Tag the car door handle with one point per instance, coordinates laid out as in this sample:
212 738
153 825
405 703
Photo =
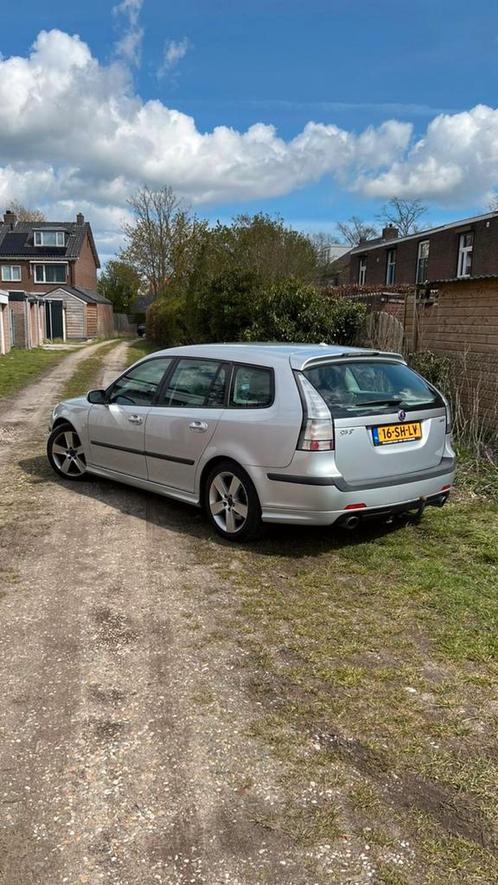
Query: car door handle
135 419
198 426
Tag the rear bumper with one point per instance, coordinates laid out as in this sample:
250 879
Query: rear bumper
322 500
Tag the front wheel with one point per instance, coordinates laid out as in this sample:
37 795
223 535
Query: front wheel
232 503
65 453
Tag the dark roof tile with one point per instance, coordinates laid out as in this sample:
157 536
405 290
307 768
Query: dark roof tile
19 242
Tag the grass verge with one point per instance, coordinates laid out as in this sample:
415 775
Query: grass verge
18 368
83 378
139 349
373 662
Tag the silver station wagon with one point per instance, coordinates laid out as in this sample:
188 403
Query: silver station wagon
256 433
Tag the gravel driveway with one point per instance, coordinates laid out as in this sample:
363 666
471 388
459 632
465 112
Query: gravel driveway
124 720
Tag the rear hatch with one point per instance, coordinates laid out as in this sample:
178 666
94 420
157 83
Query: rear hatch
388 421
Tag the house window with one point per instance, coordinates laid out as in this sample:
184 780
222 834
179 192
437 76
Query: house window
423 261
362 271
11 273
50 238
50 273
391 267
466 244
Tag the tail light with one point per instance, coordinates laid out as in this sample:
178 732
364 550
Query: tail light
449 417
317 431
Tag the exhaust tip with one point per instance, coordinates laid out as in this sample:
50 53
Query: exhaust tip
351 522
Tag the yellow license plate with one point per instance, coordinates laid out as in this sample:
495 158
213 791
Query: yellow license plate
396 433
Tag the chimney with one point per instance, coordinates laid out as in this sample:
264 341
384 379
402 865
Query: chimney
390 232
10 218
80 218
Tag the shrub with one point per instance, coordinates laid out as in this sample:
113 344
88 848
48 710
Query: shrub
290 310
226 308
167 323
235 307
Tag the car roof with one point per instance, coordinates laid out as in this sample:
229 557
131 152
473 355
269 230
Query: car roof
273 354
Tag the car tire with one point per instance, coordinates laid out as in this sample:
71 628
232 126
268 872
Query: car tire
65 453
231 503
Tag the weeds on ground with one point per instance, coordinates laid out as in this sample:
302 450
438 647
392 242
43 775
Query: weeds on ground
139 349
86 372
19 367
373 658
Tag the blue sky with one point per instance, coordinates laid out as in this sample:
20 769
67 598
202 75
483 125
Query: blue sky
284 63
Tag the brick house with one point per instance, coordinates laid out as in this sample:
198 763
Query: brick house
459 250
49 270
36 256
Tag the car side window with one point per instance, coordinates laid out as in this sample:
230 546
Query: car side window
196 384
252 388
139 386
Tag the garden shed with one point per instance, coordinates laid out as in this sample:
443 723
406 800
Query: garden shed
84 314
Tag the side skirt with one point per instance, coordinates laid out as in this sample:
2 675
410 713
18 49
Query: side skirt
146 485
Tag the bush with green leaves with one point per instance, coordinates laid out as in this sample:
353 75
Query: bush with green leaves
290 310
237 307
225 308
166 322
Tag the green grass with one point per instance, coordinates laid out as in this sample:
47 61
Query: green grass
139 349
18 368
374 659
85 375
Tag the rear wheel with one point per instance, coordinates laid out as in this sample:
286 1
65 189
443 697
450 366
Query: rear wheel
65 452
232 503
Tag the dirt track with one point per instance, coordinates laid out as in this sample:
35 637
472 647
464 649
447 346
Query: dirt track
124 748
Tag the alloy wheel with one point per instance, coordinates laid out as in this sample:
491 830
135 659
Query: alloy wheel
67 453
228 502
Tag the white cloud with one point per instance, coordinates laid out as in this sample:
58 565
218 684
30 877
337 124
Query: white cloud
129 46
455 161
173 53
73 132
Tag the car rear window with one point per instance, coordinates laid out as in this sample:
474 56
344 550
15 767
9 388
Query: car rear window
369 387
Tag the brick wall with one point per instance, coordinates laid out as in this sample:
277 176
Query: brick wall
461 323
18 312
84 271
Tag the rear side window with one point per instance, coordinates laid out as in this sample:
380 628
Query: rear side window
138 387
252 388
196 384
368 387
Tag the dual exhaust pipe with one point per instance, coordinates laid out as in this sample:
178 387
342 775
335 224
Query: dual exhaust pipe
351 521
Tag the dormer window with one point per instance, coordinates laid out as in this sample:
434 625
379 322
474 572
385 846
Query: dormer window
50 238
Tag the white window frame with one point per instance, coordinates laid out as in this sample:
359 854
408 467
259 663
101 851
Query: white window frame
420 260
463 254
362 270
11 278
49 264
60 238
391 267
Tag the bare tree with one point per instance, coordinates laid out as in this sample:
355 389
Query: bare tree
493 204
160 237
403 214
355 230
24 214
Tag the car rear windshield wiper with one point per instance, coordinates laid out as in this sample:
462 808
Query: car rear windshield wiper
388 401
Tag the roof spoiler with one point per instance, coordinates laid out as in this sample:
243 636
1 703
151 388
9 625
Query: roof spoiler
300 364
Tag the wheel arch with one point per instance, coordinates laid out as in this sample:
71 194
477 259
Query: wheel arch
59 421
206 470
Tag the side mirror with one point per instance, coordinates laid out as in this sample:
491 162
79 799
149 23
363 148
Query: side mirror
97 397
